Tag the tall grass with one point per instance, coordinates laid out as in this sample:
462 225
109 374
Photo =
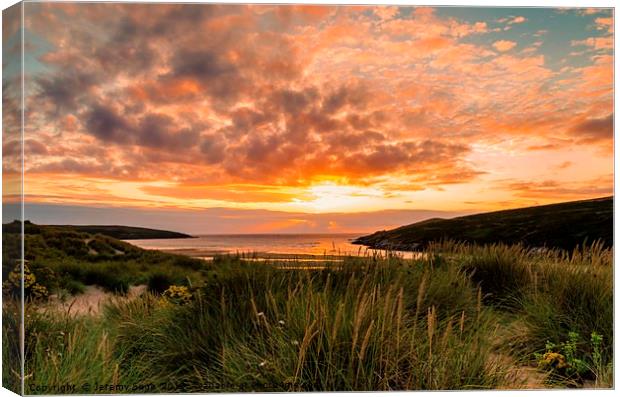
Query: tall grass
551 292
573 295
65 351
358 328
11 350
374 323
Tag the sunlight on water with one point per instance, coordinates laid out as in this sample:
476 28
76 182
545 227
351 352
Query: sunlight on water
261 244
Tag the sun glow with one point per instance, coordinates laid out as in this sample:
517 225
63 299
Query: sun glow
332 197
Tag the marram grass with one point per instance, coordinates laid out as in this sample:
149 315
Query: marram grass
458 317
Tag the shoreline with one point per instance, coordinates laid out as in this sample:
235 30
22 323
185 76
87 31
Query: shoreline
202 253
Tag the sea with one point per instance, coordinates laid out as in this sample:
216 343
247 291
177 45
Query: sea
207 246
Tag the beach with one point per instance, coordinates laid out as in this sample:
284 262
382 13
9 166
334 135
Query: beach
281 247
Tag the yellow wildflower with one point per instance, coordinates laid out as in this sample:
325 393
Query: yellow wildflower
177 294
31 287
555 360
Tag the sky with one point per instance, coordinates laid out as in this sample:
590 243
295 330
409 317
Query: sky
307 118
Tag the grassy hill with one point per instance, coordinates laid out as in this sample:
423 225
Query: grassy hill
563 225
65 258
118 232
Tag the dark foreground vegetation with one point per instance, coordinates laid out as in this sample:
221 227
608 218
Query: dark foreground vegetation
458 317
65 260
564 226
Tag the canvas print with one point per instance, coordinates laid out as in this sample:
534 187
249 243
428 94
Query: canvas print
209 198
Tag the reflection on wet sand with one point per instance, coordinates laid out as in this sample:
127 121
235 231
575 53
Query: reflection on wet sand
294 261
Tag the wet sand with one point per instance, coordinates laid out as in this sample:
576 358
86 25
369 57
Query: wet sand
265 256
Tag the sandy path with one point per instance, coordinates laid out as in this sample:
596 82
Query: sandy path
517 376
92 300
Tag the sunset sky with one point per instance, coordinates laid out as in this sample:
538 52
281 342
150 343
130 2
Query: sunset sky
309 118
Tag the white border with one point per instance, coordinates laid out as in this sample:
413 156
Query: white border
480 3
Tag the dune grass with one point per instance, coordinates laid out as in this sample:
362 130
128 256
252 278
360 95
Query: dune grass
438 322
65 260
359 328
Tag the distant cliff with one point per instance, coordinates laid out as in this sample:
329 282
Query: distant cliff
118 232
563 225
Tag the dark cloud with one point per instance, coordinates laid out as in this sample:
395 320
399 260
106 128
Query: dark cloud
34 147
152 131
219 78
130 49
354 140
64 90
319 122
157 131
296 101
130 45
246 119
213 148
186 16
594 130
204 66
360 122
73 167
135 56
404 156
351 95
261 148
106 124
12 148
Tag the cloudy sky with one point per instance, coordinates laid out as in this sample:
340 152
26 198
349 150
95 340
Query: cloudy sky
301 118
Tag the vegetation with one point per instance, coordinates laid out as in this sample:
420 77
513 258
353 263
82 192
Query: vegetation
563 226
459 316
118 232
64 260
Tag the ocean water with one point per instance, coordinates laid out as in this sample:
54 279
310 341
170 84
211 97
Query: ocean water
293 244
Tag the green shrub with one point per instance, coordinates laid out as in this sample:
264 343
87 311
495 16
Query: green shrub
159 282
71 269
107 277
74 287
187 262
101 247
569 299
503 272
574 360
70 244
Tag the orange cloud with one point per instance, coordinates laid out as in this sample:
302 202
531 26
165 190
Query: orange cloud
599 187
599 43
605 24
504 45
235 194
517 20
